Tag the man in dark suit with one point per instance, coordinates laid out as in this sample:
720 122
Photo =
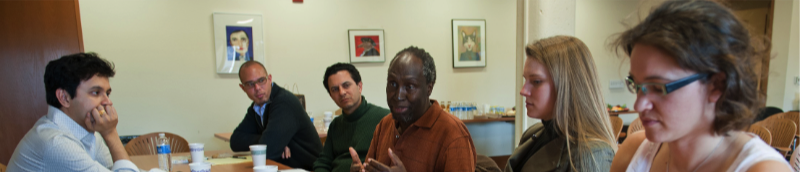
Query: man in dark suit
275 118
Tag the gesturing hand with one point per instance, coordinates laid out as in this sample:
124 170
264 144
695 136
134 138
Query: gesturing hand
102 119
356 166
375 166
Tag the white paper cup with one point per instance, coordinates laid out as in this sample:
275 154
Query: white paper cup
198 152
259 153
200 167
266 168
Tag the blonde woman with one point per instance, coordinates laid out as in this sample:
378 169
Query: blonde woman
562 90
691 71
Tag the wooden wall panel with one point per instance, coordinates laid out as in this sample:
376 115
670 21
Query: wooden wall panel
31 34
757 15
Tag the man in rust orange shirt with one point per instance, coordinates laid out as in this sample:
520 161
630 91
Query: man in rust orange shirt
418 135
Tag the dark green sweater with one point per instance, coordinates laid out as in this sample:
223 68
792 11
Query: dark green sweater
349 130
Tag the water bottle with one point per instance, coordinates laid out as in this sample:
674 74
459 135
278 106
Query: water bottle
458 110
465 110
328 119
453 109
164 161
474 111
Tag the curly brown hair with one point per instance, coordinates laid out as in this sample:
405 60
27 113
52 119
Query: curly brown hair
706 37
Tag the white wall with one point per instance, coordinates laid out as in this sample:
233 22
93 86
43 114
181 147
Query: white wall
597 24
163 51
791 99
793 70
781 89
777 65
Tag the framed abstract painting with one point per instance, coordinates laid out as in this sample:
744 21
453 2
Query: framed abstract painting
238 38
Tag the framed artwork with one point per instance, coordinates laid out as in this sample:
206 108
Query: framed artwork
366 45
237 38
469 43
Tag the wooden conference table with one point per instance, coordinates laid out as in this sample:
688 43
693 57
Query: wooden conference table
148 162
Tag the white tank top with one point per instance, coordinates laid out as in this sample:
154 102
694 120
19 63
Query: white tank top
754 151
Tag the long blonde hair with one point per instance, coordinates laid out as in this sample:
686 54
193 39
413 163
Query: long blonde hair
579 112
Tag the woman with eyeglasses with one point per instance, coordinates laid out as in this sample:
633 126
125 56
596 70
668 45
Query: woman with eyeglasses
562 90
692 72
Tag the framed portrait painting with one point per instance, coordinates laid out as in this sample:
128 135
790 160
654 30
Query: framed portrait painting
238 38
366 45
469 43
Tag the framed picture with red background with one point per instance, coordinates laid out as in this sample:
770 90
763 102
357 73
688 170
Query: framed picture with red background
366 45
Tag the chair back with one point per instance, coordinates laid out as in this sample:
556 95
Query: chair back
147 144
635 126
782 131
793 116
767 112
762 132
616 125
775 117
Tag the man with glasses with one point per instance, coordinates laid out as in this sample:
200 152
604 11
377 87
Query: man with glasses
275 118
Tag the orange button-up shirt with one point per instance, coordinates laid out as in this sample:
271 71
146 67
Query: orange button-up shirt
437 141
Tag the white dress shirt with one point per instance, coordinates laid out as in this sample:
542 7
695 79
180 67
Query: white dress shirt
58 143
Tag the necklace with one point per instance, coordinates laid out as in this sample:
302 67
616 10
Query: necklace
701 163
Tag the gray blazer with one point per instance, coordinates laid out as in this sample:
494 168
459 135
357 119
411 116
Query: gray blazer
553 155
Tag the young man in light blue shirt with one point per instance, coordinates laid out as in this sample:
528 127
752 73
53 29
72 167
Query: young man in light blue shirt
79 131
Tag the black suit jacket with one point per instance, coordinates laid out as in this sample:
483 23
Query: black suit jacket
287 124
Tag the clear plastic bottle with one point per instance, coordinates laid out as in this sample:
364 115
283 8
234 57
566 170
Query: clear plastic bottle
327 119
164 153
462 110
465 111
454 109
474 110
468 110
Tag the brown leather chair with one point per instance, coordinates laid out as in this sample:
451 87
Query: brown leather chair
146 144
762 132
